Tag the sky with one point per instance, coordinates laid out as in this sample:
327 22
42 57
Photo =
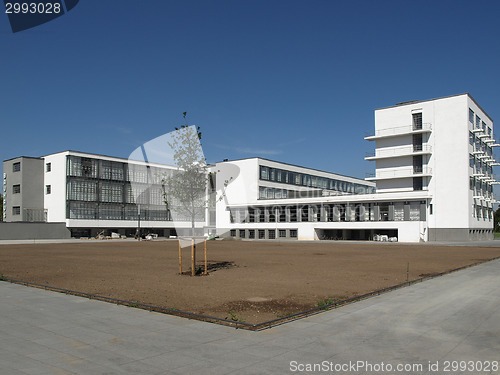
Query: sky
292 81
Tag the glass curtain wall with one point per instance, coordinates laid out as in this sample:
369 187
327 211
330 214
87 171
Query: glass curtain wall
108 190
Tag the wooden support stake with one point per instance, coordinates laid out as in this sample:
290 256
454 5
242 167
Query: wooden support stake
192 258
180 258
205 257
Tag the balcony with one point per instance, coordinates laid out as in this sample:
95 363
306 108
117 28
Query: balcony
400 130
397 152
406 172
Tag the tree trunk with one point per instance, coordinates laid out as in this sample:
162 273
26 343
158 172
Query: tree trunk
193 255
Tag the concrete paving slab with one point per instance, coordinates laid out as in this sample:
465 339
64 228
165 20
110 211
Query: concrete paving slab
454 317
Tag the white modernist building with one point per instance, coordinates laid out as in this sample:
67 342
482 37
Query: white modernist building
91 194
433 181
433 176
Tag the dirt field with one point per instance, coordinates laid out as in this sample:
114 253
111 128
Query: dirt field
265 279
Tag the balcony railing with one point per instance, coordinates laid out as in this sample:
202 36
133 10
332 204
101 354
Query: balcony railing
400 130
400 151
415 171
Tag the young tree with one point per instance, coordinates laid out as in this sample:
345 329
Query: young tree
185 190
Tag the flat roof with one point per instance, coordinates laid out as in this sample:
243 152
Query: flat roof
90 155
410 102
107 156
299 166
25 157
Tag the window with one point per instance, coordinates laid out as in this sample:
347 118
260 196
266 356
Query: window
478 122
272 234
82 190
414 211
417 164
471 161
251 233
78 167
251 215
278 175
262 215
471 116
417 121
384 212
264 173
305 213
48 189
270 193
48 167
430 209
242 233
281 214
233 232
16 189
293 233
84 210
399 211
16 210
16 167
262 234
262 192
271 215
302 179
282 233
114 212
471 138
111 192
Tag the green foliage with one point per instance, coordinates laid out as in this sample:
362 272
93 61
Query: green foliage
233 316
496 220
325 303
187 185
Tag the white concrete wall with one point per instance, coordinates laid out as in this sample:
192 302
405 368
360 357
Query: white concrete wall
449 162
449 183
55 202
242 178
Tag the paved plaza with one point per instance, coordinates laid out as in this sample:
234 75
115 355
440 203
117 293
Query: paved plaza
451 318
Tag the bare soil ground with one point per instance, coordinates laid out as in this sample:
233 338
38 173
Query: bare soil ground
261 281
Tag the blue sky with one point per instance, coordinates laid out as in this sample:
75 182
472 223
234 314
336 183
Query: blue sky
293 81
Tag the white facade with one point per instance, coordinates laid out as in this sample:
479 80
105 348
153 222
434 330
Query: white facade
433 181
433 173
94 193
448 144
